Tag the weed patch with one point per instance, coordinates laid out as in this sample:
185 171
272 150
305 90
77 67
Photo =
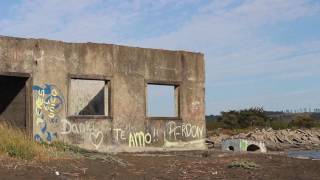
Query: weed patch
243 164
16 143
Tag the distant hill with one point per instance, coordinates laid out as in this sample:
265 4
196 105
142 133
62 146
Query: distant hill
257 117
212 117
275 114
289 116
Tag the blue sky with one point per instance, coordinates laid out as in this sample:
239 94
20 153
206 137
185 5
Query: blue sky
161 102
258 52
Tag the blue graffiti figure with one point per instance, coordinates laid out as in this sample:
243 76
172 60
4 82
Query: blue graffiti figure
50 136
50 103
47 89
52 95
37 137
44 128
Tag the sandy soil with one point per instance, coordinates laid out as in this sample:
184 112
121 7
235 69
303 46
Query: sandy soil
173 165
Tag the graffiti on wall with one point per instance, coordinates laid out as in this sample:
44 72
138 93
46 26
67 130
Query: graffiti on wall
95 135
134 138
139 139
48 103
172 131
184 130
243 145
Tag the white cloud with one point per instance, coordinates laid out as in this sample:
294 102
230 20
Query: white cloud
81 20
231 41
229 32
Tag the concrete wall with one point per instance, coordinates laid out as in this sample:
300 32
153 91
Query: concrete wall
127 70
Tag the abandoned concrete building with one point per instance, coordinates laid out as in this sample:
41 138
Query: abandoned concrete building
96 96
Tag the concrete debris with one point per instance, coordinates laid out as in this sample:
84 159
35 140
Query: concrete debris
277 139
242 145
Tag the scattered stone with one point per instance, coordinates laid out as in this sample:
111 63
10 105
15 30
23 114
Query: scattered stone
276 139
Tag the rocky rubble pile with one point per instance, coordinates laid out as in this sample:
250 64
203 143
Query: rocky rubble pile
278 139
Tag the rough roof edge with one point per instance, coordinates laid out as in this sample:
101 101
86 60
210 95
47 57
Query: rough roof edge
88 43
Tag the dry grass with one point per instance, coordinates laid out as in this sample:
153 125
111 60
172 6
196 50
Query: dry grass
15 143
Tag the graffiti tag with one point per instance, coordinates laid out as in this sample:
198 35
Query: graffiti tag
49 102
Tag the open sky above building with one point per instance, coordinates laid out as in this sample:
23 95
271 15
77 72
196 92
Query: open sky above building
258 52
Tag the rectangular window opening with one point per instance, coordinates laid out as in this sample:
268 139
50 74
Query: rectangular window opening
162 101
88 97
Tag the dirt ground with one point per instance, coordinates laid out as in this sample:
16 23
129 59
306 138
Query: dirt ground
173 165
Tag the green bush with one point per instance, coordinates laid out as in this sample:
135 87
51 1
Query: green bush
213 124
257 118
247 118
303 121
279 124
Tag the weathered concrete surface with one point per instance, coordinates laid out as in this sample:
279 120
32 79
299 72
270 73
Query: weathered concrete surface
239 145
125 126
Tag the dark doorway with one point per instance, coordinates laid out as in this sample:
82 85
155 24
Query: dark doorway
253 147
13 100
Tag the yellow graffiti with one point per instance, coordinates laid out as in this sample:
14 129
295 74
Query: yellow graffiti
139 139
54 92
48 102
39 102
39 120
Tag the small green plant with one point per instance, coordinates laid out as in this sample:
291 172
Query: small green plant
243 164
63 147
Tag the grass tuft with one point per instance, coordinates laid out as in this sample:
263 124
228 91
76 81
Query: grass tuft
243 164
15 143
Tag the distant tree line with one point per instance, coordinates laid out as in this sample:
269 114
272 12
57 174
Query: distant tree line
256 117
302 110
